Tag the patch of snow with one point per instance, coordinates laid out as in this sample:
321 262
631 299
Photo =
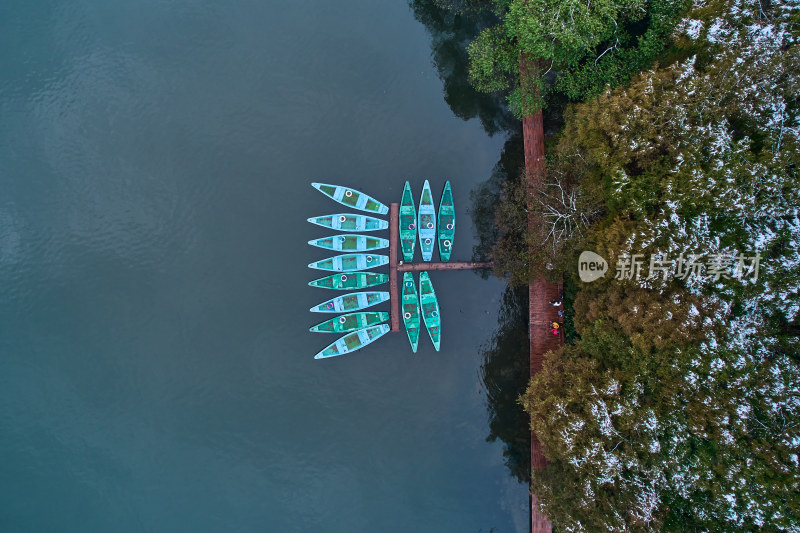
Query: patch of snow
693 28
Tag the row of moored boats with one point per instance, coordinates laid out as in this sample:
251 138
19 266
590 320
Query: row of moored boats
361 327
426 224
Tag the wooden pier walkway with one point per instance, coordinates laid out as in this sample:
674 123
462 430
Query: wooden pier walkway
394 239
541 315
463 265
540 293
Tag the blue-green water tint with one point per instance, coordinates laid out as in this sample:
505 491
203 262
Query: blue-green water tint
157 373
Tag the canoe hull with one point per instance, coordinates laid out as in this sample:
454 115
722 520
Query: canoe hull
426 222
350 243
411 312
346 281
430 309
353 341
408 224
446 223
354 301
349 222
350 322
350 262
351 198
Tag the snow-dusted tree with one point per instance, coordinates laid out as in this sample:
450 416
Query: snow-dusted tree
669 440
679 409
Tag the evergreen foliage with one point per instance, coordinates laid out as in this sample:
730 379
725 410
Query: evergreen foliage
679 407
588 44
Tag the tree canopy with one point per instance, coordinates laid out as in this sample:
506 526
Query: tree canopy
679 406
587 45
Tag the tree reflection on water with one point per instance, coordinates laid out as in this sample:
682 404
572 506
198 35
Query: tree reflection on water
506 367
505 372
452 28
506 358
484 198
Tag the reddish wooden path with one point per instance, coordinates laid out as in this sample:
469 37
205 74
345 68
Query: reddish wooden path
540 294
541 315
533 137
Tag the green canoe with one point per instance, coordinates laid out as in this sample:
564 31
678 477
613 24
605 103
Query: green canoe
350 302
447 223
350 243
411 310
408 224
347 222
350 322
354 341
430 309
351 198
427 222
350 262
350 280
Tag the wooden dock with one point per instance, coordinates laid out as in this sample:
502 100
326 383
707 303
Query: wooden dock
395 267
394 239
541 315
464 265
540 292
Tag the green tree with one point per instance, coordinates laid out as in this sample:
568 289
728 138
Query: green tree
588 44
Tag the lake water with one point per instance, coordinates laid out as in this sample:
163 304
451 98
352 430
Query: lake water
157 372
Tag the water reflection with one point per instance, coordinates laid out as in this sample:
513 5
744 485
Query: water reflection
506 361
505 372
452 27
485 197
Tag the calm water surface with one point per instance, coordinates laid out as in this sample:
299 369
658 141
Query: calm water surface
156 369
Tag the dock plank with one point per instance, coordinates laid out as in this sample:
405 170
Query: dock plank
394 242
454 265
